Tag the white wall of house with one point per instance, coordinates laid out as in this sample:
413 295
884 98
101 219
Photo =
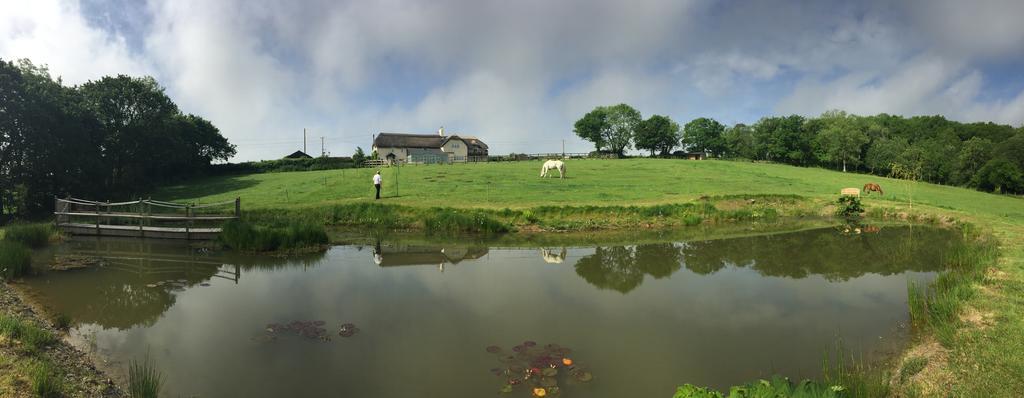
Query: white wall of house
400 153
457 149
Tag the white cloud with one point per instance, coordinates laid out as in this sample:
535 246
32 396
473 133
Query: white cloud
54 33
518 74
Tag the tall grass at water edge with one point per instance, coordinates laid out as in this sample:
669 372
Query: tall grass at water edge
15 260
144 380
245 236
32 337
32 235
936 307
46 381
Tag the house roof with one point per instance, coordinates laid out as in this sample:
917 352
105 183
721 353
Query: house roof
399 140
396 140
298 155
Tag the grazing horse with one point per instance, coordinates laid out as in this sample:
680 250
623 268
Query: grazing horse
872 187
553 165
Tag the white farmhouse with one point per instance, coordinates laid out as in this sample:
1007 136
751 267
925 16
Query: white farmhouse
429 148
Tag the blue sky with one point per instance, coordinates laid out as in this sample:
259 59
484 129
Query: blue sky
519 73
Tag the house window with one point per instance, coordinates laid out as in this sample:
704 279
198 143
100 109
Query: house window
455 145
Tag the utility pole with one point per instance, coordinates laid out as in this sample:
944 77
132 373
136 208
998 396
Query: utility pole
563 148
322 153
304 140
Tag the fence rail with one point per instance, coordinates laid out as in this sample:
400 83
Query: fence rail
143 218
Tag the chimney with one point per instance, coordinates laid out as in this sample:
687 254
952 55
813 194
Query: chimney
440 131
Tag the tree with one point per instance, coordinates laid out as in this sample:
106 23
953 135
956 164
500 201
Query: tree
974 153
592 127
840 140
657 133
1000 175
359 157
739 142
883 153
783 139
705 135
622 121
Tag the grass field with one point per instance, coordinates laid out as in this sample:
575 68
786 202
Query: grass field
985 359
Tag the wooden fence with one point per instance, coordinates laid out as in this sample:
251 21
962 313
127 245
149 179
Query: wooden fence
144 218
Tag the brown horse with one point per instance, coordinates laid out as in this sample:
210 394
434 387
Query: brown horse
872 187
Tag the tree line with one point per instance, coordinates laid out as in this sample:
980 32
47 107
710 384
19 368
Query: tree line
109 138
983 155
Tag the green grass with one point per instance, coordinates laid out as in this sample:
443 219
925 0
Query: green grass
32 337
242 235
15 260
144 380
46 381
32 235
912 367
625 194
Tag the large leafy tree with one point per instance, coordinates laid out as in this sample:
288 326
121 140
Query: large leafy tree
114 136
783 139
739 142
592 127
657 134
840 139
705 135
622 122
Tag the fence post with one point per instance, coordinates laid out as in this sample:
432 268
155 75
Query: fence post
238 208
188 222
142 220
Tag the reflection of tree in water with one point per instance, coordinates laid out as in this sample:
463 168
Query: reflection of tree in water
832 254
138 283
622 268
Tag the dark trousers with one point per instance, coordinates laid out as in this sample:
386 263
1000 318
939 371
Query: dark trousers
378 190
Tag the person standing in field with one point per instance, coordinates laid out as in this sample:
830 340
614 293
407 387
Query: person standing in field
376 183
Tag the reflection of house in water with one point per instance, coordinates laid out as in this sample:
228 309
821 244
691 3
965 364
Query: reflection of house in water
390 255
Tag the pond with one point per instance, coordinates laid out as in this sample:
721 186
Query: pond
397 318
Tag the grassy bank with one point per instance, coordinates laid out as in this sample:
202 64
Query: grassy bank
977 350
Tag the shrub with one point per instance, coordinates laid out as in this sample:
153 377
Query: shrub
143 380
46 383
15 260
31 235
849 207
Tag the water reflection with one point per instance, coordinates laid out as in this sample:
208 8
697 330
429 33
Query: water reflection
798 292
132 283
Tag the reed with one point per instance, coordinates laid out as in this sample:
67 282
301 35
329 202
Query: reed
46 382
15 260
32 235
144 380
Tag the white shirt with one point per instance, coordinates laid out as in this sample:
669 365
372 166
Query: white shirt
376 179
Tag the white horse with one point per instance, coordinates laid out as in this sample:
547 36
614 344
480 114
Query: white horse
550 256
553 165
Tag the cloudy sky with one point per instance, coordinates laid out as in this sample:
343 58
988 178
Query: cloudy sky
518 73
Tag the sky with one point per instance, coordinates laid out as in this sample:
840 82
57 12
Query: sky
517 74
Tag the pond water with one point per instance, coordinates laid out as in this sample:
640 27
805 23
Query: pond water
401 319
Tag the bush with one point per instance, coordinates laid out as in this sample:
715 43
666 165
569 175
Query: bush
31 235
15 260
849 207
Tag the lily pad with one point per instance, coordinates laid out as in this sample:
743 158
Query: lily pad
549 372
493 349
505 389
584 376
548 381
